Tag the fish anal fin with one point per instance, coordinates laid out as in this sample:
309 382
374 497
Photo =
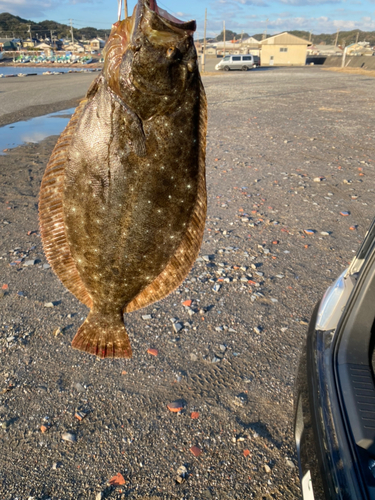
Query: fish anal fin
104 336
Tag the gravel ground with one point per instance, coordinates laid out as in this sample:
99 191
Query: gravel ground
288 150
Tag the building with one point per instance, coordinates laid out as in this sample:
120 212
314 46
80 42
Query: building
324 50
359 49
45 47
7 44
283 50
249 46
74 47
29 43
97 44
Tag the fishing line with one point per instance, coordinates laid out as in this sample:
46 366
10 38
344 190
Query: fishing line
119 8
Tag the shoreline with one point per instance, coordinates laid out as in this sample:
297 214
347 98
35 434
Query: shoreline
20 101
9 63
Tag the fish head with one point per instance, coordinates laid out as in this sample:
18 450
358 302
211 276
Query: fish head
152 53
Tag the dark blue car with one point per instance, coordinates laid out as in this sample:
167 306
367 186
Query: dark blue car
335 389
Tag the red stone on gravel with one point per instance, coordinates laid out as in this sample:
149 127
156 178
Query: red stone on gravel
117 480
153 352
175 406
196 451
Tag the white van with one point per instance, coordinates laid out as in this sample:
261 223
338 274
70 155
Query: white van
238 61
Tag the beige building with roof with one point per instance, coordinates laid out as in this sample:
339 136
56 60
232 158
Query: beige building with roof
283 50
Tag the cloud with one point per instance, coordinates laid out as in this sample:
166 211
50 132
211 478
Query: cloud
25 8
245 2
322 24
236 5
182 15
308 2
31 9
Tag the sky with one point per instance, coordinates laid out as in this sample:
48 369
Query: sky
251 16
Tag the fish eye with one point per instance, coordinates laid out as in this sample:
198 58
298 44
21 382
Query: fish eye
170 51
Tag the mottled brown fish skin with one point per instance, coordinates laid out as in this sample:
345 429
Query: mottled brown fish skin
133 188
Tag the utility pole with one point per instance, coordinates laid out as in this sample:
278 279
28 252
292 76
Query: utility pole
343 58
224 37
310 37
204 43
337 38
29 30
265 31
241 41
356 40
126 8
71 29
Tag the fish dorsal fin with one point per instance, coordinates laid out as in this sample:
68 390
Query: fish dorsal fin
180 264
51 214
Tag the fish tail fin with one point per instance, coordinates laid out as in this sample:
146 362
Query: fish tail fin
104 336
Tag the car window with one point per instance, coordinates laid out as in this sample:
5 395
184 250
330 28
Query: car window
246 58
226 58
236 58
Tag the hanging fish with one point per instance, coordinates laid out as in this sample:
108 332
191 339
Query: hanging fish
123 199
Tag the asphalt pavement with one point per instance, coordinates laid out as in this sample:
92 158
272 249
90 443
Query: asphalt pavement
25 97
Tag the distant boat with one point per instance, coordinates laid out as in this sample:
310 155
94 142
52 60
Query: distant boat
86 60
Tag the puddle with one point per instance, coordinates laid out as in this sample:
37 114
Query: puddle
32 70
34 130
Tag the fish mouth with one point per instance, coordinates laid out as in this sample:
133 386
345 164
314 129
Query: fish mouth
149 8
152 5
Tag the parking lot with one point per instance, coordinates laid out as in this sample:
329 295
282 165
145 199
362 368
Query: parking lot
290 177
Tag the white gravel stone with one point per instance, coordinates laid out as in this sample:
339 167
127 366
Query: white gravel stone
177 327
68 436
29 262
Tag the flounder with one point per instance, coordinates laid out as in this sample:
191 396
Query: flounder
123 199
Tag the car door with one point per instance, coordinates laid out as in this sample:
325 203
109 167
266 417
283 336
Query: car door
335 390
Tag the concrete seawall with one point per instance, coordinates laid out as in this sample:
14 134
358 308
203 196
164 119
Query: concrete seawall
363 62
